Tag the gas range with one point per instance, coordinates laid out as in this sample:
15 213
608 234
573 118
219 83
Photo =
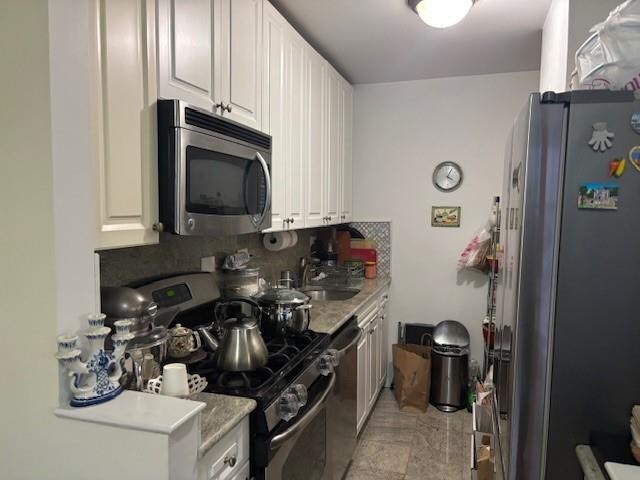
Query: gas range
294 361
293 390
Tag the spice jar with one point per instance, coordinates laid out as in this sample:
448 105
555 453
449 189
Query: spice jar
370 270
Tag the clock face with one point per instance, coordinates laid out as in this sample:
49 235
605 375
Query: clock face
447 176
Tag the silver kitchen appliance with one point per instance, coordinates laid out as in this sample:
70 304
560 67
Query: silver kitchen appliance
214 173
342 411
284 309
449 366
567 286
241 346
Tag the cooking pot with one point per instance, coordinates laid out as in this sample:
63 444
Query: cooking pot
284 309
241 346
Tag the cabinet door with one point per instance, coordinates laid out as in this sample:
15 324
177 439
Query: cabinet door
124 88
334 147
240 60
316 144
374 353
274 110
185 50
381 348
363 378
296 95
346 214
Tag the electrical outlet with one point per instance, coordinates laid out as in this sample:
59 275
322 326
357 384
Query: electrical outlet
208 264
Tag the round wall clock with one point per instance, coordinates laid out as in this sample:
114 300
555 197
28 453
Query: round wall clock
447 176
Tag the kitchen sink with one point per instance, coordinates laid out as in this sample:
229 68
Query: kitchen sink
330 294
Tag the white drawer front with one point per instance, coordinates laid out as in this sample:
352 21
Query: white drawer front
228 457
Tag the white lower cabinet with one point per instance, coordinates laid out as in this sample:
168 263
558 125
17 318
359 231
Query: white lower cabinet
363 380
229 458
372 356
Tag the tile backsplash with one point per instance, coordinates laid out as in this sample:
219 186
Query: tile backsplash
177 254
381 233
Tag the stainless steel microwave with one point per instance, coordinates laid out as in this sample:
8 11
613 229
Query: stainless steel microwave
214 173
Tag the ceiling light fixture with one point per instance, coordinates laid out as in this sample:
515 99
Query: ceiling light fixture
441 13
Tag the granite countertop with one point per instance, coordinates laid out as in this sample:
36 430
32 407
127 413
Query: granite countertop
220 414
328 317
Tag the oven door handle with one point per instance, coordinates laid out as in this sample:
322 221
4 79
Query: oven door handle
297 427
353 342
267 181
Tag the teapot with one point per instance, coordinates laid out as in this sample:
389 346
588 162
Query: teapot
183 341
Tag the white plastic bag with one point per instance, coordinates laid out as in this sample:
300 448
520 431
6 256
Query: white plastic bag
610 58
475 253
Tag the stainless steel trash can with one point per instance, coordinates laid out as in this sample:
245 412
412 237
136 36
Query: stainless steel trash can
449 366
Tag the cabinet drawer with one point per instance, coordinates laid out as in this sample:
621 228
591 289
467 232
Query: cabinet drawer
228 457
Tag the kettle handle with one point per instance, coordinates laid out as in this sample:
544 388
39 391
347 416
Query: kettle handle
248 301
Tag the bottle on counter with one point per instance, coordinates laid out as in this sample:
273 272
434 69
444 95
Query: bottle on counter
370 270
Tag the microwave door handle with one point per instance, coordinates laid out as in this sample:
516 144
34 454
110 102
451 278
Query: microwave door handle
267 181
309 415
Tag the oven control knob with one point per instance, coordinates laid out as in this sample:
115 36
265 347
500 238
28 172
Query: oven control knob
300 391
288 406
335 357
325 365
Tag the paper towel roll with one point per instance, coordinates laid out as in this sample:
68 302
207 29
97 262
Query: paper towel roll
274 242
294 238
277 241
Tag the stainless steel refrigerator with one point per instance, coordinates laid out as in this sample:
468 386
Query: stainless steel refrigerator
569 287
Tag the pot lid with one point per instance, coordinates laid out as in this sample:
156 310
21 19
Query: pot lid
280 295
451 333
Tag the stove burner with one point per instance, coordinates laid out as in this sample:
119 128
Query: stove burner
244 379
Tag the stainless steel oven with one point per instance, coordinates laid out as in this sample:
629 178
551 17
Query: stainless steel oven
299 449
214 174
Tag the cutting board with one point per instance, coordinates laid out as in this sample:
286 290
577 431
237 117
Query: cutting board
620 471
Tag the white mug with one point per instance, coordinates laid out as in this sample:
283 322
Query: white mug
174 380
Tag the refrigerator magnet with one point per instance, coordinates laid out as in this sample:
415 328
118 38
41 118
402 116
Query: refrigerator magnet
635 122
634 157
602 139
598 196
616 167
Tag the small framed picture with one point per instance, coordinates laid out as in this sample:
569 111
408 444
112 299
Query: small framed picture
445 216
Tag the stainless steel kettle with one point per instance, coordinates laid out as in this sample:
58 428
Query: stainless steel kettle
241 347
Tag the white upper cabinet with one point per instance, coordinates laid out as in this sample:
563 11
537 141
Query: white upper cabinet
315 211
346 205
186 30
284 54
123 84
296 56
210 55
240 65
332 187
274 111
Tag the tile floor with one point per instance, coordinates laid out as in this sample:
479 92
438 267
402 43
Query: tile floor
409 446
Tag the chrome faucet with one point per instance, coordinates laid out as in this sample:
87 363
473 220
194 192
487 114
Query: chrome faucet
303 271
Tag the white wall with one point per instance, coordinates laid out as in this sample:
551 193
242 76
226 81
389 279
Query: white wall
555 37
401 132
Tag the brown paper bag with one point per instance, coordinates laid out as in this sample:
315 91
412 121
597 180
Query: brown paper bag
412 376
